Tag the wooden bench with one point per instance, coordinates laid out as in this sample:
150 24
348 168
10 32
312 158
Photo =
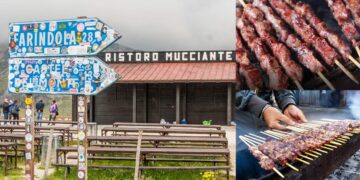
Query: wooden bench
19 137
61 131
158 141
146 152
161 131
119 124
6 147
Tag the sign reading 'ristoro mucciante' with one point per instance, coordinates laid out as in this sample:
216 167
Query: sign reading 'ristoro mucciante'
73 37
170 56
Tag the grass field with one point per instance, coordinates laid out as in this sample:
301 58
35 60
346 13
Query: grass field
102 174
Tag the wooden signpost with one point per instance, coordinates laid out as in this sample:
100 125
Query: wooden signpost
82 137
29 137
59 58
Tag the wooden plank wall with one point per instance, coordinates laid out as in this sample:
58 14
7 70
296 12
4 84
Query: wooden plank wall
204 101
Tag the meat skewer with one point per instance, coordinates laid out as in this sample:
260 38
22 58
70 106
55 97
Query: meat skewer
280 51
309 35
305 55
286 146
342 16
265 161
354 7
277 78
251 74
307 12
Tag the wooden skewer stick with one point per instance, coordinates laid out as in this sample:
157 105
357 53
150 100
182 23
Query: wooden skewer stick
278 172
320 150
305 162
357 50
335 143
255 139
275 133
282 132
328 145
292 167
317 153
269 135
312 155
353 60
340 141
326 81
242 2
346 71
298 85
306 157
327 148
257 136
343 139
245 142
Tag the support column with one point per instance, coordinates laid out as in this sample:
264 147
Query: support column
29 138
184 101
145 103
177 103
92 101
134 103
229 103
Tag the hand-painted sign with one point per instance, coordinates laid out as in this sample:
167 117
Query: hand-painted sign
64 75
171 56
73 37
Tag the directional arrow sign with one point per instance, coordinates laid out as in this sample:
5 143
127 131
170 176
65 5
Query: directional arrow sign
65 75
72 37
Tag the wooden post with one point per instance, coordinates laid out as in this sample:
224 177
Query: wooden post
134 103
48 153
29 137
82 137
229 102
145 103
184 102
177 103
137 174
92 101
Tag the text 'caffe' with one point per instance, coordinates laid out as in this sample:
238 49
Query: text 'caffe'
177 87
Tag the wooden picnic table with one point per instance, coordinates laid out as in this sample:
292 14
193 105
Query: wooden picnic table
15 137
38 122
218 127
162 131
62 130
155 140
6 147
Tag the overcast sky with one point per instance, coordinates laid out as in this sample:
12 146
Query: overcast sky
144 24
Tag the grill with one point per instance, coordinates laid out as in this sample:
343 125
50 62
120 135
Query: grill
316 161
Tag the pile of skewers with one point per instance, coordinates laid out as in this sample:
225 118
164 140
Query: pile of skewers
303 143
273 30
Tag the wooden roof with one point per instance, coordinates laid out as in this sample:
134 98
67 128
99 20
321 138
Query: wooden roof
176 72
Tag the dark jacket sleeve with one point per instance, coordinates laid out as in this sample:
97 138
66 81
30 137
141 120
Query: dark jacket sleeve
284 98
248 101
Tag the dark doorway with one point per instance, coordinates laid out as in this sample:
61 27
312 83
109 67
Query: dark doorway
161 102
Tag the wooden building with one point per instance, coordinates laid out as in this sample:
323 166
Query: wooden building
149 92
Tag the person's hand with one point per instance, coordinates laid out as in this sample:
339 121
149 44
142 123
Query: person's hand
295 114
273 117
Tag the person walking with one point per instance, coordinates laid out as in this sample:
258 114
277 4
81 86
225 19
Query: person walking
15 112
5 107
54 111
39 111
